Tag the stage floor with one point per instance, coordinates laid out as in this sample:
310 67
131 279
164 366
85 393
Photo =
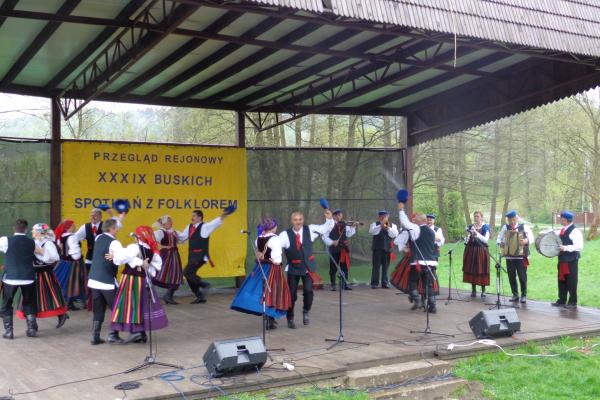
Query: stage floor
378 317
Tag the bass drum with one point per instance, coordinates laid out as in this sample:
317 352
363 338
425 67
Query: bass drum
548 243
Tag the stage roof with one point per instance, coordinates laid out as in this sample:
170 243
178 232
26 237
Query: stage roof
445 65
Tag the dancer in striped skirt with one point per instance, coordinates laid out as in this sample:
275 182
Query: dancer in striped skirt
50 300
171 274
476 258
400 278
251 295
70 271
133 311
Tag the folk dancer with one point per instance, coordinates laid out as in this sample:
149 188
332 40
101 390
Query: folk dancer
337 242
70 271
137 308
170 276
18 275
198 233
568 259
50 300
406 276
297 243
109 253
383 232
476 258
251 295
88 232
439 234
424 258
516 264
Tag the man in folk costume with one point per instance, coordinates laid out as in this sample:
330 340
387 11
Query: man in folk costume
170 275
254 297
439 234
70 271
109 253
137 307
406 276
18 275
568 259
198 233
89 232
383 232
50 300
337 242
297 242
424 256
516 264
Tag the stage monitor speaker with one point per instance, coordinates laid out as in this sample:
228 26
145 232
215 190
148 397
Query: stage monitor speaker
231 356
493 323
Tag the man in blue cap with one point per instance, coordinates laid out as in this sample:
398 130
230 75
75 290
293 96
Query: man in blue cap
516 264
337 242
568 259
383 232
439 234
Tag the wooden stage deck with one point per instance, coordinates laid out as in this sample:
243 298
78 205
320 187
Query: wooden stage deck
378 317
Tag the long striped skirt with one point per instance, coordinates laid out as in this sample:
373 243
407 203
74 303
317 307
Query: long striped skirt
133 311
171 274
400 278
72 277
476 265
249 297
50 300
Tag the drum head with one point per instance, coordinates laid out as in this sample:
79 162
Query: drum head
548 244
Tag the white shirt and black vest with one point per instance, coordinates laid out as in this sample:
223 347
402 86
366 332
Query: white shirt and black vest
566 240
18 263
422 241
103 271
198 245
300 259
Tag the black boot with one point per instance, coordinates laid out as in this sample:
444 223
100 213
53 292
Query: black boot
271 323
72 306
305 318
138 337
431 305
96 327
416 300
62 319
8 327
168 297
113 338
31 326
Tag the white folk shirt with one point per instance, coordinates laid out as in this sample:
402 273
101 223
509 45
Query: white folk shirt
401 241
392 231
274 243
482 238
576 237
528 236
4 248
121 255
439 236
207 229
133 253
73 245
314 230
414 231
80 234
50 251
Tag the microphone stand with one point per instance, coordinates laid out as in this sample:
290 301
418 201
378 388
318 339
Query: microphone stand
497 305
429 273
449 254
343 283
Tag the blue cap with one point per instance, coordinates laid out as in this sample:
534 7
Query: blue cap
568 215
511 214
337 211
402 196
432 216
121 205
382 212
230 209
324 203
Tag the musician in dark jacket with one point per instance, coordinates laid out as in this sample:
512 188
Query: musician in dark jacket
337 242
297 243
383 232
19 274
568 259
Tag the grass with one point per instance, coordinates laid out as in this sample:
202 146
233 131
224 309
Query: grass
572 375
304 394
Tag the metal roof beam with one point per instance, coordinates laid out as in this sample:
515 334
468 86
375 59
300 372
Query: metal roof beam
37 43
119 55
8 5
218 55
122 18
178 54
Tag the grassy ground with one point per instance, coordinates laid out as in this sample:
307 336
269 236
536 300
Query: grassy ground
306 394
572 375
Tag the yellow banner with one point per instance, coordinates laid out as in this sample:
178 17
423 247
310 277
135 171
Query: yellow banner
159 180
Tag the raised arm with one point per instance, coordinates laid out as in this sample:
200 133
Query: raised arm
80 234
413 229
209 227
322 229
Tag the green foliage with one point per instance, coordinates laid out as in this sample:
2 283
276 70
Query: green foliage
455 220
572 375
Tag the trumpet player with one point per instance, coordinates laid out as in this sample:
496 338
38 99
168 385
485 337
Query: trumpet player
568 258
439 234
337 242
383 232
516 261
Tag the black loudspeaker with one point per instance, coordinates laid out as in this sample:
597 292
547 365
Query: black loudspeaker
494 323
235 355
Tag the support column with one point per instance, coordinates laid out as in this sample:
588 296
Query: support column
408 161
240 128
55 165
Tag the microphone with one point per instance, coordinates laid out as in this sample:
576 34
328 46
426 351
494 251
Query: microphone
245 231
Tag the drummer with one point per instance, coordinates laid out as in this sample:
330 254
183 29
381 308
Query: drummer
568 258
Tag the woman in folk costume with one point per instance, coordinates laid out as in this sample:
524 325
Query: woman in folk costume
50 300
137 308
400 278
170 276
476 258
70 271
253 293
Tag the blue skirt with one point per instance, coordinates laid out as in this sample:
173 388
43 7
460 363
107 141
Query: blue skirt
249 297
